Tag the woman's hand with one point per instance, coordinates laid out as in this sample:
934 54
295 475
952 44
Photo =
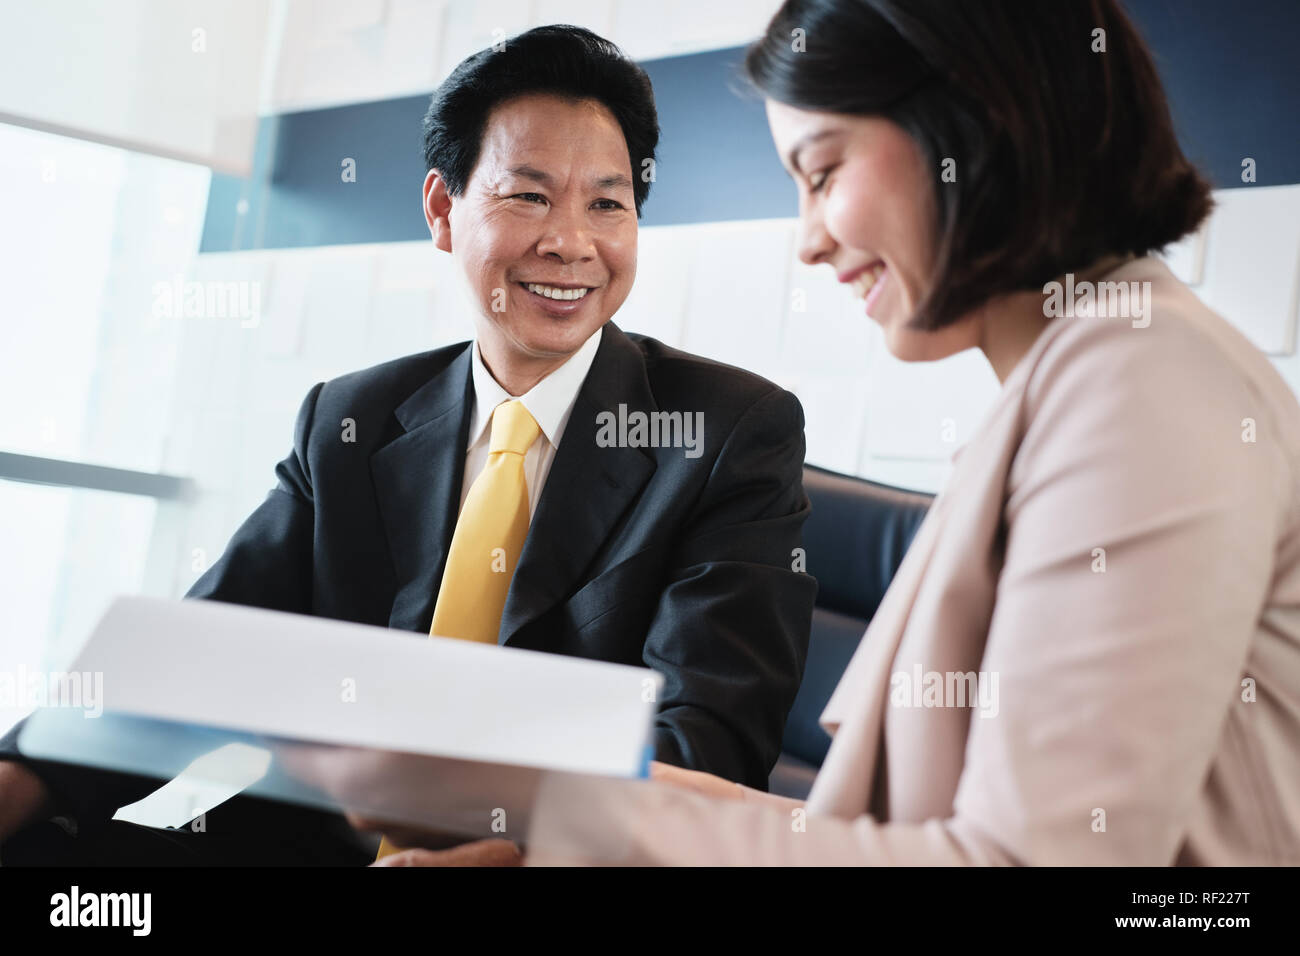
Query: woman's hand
705 783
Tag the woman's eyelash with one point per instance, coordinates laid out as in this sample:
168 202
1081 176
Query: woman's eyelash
818 179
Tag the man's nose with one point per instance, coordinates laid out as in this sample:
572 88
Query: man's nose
566 236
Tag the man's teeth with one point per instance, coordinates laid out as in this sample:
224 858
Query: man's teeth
863 284
551 292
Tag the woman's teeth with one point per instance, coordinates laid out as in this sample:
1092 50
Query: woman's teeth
863 284
551 292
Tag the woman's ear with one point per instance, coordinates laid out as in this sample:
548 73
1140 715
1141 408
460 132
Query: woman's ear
437 209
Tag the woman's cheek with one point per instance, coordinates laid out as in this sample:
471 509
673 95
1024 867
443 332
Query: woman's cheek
848 216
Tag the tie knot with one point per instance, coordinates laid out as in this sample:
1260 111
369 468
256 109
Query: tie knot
513 429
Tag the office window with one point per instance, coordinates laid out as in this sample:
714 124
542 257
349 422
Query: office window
86 379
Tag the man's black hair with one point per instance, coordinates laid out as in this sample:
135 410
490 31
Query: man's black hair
566 61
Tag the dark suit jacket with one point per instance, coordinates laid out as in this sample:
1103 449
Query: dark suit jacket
634 555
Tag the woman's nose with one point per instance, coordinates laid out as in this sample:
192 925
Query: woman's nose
814 242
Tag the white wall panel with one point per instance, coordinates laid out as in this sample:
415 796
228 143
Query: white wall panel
826 329
180 79
1186 258
676 27
1252 263
657 304
284 303
825 343
736 301
402 309
470 27
925 410
596 15
332 52
339 51
338 305
835 418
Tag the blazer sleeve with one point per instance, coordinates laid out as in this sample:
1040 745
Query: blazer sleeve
730 633
266 564
1115 679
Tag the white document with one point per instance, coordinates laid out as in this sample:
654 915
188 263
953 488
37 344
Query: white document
325 681
392 724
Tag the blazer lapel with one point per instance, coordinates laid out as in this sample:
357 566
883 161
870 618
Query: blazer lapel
588 487
417 480
855 714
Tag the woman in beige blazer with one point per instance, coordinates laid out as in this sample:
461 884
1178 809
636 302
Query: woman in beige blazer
1091 653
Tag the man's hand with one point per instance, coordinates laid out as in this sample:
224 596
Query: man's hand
479 853
24 798
700 782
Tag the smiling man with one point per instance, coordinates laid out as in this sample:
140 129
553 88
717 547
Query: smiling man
481 500
545 225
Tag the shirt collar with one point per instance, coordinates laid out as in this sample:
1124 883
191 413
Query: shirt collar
549 401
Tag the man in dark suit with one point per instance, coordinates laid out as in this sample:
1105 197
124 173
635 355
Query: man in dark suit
662 495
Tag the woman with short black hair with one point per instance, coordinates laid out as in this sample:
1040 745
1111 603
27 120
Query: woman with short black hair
1091 654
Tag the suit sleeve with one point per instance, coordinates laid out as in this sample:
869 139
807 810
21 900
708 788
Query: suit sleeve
730 634
1115 682
266 564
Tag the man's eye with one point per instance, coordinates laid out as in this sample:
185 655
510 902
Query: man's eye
610 204
530 197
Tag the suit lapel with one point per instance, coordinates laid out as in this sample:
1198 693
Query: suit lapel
588 487
417 480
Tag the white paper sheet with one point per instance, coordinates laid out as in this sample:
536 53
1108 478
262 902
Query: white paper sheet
331 682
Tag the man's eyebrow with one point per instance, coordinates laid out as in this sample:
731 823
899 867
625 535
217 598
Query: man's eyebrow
533 173
792 158
618 180
612 181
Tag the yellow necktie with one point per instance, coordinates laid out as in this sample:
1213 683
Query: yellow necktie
488 540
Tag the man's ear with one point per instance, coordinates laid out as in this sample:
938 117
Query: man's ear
437 209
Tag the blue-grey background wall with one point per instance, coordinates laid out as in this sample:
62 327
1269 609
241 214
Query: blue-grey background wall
1229 70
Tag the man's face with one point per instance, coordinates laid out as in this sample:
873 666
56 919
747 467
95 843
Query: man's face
546 228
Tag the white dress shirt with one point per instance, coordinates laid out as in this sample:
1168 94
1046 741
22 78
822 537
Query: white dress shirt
550 402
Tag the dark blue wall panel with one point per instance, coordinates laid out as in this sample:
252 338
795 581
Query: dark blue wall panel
716 160
296 195
1229 68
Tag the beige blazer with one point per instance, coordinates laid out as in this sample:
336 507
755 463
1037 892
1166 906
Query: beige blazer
1114 566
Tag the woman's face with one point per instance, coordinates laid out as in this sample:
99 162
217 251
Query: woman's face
867 208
